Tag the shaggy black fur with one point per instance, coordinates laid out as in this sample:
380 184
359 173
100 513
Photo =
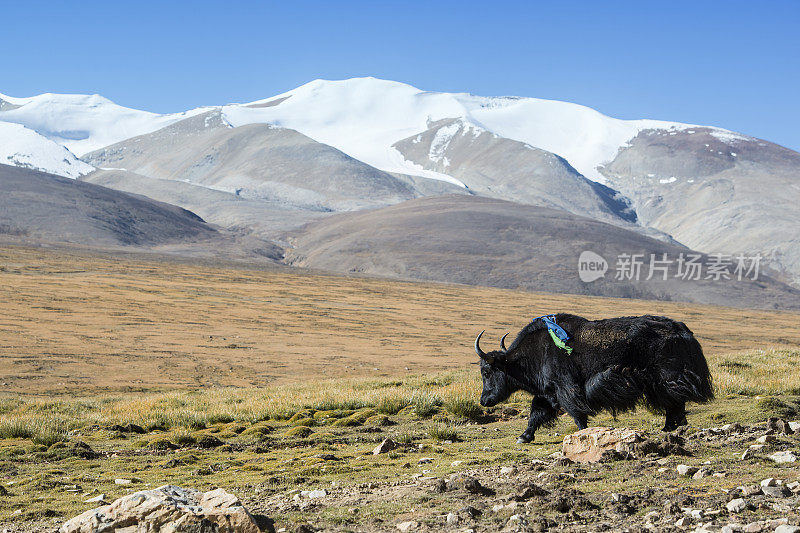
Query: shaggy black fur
615 363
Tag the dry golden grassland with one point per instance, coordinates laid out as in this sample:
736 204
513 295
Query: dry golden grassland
77 324
298 375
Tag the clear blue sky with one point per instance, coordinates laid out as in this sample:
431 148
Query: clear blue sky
731 64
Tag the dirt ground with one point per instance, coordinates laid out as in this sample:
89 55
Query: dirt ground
79 323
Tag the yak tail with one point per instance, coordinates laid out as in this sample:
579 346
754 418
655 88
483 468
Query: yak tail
616 390
675 385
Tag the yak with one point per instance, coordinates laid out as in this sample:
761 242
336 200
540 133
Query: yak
610 364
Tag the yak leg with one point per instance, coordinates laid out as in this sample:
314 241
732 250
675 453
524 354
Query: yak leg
676 417
542 412
581 420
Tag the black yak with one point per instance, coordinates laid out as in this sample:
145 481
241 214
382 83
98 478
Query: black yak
606 364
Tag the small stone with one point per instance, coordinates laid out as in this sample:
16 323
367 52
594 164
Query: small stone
517 520
662 469
769 482
696 514
384 447
425 460
97 499
683 521
749 453
736 506
700 474
786 528
794 486
686 470
407 526
719 474
121 481
456 463
783 457
752 527
731 528
452 518
766 439
313 494
652 516
508 471
497 507
794 426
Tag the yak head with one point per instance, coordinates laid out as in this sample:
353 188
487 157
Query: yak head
497 386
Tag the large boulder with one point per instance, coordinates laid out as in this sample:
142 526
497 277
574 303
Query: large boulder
167 509
590 445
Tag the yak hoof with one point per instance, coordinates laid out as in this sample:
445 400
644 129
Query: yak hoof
524 440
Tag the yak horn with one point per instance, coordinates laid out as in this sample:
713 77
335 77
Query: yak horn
503 342
477 345
486 357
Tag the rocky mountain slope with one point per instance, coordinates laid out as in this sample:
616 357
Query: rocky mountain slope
256 161
481 241
43 207
713 192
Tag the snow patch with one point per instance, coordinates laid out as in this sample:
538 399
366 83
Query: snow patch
23 147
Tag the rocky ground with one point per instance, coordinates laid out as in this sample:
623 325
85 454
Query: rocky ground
427 469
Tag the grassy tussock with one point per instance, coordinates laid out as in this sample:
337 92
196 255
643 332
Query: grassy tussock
351 401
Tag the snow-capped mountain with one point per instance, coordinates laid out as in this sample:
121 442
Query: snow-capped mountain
80 122
365 117
366 143
23 147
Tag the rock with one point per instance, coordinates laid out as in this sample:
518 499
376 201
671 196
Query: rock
750 490
776 492
652 516
769 482
731 528
783 457
736 506
456 463
686 470
517 520
752 527
508 471
531 491
471 485
167 508
470 511
701 473
683 521
779 426
122 481
588 445
97 499
749 453
794 426
786 528
766 439
407 526
314 494
425 460
794 486
452 518
386 446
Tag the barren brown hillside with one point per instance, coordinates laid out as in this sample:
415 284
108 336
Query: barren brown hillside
80 323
